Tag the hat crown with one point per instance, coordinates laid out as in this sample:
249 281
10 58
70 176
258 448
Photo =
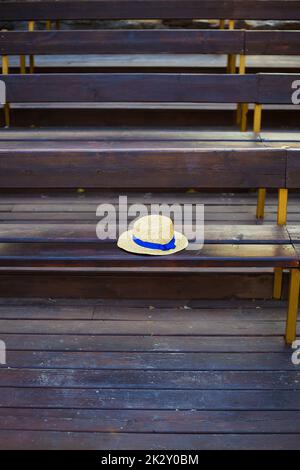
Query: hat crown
154 228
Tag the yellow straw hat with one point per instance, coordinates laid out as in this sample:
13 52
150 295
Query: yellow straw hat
153 235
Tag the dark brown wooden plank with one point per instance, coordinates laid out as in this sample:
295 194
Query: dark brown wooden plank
272 42
152 379
31 284
122 42
131 421
18 440
139 9
277 89
108 255
138 165
150 399
85 233
164 88
293 168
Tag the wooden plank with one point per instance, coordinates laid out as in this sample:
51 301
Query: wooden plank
150 399
276 89
122 42
36 440
131 421
187 287
84 311
152 379
293 168
111 166
137 134
139 9
108 255
134 343
272 42
148 328
86 233
91 88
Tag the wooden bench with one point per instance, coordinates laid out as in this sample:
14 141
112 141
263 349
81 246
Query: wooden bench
34 250
180 88
134 162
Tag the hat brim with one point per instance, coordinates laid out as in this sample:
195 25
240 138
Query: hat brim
126 243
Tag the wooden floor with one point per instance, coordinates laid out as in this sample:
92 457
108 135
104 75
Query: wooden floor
145 374
109 375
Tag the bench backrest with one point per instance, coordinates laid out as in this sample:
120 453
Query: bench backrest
150 9
152 88
151 42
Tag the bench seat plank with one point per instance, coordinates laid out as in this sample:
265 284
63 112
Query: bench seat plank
108 255
86 233
134 134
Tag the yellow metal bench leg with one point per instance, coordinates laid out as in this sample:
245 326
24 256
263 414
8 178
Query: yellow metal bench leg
23 64
242 109
261 201
31 57
231 60
277 290
282 206
260 211
291 324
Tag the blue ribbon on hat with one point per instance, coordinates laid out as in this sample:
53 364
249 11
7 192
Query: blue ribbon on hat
155 246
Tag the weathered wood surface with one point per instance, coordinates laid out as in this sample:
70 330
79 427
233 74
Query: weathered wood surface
123 42
69 215
150 42
141 87
107 255
145 165
86 233
150 9
293 167
150 88
95 376
272 42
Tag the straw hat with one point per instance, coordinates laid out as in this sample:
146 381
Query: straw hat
153 235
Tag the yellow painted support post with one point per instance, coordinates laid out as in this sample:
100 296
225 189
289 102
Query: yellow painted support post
291 324
5 70
22 64
277 289
48 25
231 61
282 206
31 57
257 118
261 201
222 24
242 110
5 65
260 210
